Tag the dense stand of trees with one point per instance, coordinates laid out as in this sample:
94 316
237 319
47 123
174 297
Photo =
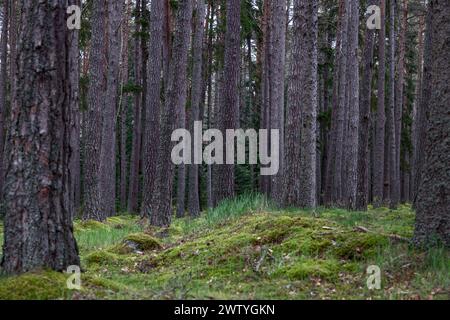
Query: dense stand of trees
86 116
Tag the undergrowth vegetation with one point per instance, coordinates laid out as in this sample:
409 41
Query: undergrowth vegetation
248 249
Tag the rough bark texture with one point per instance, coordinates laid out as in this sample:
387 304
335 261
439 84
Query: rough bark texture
153 101
306 12
276 72
422 108
229 106
393 194
3 88
362 196
75 125
161 211
353 109
378 161
399 95
38 226
107 174
335 153
433 202
124 68
96 99
133 190
196 96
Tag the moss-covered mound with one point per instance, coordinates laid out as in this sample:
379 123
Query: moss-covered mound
44 285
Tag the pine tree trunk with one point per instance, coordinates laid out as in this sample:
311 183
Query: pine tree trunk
96 100
161 209
392 146
229 108
38 226
3 89
416 109
399 95
133 190
276 65
155 65
336 147
353 109
362 196
422 108
75 125
108 149
378 165
124 105
196 96
433 202
307 14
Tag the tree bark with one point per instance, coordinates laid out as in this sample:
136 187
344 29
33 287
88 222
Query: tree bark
38 226
392 146
433 202
108 149
155 66
124 105
276 72
175 100
362 197
94 123
351 182
378 165
133 189
196 96
229 108
3 89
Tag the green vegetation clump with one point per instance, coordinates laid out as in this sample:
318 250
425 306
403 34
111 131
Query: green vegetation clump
143 241
43 285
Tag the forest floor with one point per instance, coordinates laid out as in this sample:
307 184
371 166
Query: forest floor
244 249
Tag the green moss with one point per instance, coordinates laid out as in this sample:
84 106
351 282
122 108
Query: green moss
44 285
359 245
103 283
305 268
89 225
143 241
101 257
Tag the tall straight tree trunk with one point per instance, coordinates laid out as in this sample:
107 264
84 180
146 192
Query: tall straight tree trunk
133 190
108 148
418 114
124 104
335 152
153 101
209 185
362 196
276 65
196 96
433 202
229 107
265 181
392 147
378 165
423 106
3 88
353 109
75 125
307 14
96 100
161 209
399 95
38 226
